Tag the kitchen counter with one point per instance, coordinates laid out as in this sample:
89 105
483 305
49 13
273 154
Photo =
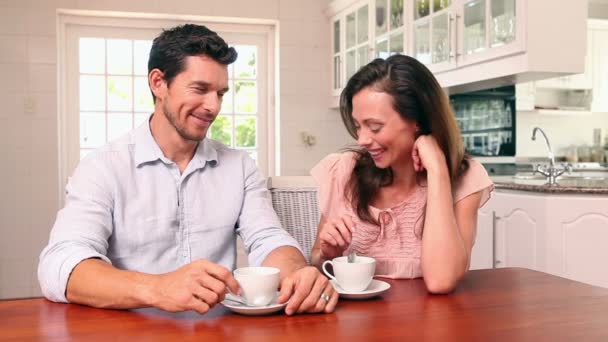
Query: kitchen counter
572 185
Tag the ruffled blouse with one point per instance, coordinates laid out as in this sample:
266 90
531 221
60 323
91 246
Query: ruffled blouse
396 243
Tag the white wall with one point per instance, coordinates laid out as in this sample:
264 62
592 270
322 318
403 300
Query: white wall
562 130
28 118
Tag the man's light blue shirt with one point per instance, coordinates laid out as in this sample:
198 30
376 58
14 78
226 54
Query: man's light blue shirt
127 204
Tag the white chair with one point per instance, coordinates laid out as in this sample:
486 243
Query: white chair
294 198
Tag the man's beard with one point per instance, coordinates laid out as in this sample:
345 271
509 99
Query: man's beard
181 130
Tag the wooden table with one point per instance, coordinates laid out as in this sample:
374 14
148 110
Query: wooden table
489 305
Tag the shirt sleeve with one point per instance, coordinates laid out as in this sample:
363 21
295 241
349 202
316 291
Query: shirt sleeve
81 230
475 179
258 224
331 175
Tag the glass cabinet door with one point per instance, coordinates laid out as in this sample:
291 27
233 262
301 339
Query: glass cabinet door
357 39
389 28
502 24
474 18
432 31
422 51
337 67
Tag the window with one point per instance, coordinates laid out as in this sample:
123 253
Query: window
104 74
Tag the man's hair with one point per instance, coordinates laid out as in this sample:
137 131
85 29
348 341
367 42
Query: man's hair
172 46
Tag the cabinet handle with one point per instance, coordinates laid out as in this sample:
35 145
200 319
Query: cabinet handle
453 27
495 218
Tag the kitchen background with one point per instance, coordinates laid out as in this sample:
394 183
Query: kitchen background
28 119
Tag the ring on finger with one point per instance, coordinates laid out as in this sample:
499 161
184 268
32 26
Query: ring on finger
325 297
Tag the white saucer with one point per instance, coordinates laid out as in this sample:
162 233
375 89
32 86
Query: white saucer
376 288
253 310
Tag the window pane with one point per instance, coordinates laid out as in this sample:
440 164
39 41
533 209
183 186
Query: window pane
381 9
246 64
363 53
362 25
396 43
336 36
245 131
120 56
221 130
228 100
92 91
351 65
440 38
421 42
421 8
396 14
474 26
92 129
246 99
119 124
503 22
143 97
141 51
351 34
119 93
382 48
140 118
92 53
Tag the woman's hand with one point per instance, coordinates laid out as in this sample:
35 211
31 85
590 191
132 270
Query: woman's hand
427 155
335 237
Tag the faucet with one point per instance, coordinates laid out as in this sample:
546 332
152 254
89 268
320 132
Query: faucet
550 172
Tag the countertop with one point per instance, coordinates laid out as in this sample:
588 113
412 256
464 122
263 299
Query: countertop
566 185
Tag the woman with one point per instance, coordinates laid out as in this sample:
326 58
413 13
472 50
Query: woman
408 196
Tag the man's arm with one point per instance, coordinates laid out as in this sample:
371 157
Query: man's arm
197 286
270 245
74 266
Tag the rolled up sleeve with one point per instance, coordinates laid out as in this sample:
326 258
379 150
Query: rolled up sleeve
81 230
258 223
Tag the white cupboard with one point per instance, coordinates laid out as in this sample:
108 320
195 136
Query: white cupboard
461 41
561 234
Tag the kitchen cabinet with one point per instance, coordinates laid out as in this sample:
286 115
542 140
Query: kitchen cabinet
578 238
599 30
362 30
509 232
562 234
577 81
467 44
584 92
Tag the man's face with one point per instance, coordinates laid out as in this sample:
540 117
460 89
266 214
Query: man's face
194 97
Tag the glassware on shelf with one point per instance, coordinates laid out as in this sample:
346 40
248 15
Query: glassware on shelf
421 9
440 38
503 22
438 5
421 41
381 17
396 14
474 26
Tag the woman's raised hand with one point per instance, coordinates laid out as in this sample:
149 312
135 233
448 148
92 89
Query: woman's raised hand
427 155
336 236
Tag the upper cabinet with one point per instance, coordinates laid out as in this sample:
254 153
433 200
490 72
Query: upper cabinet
467 44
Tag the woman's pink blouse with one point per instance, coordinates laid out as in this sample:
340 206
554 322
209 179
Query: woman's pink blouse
396 243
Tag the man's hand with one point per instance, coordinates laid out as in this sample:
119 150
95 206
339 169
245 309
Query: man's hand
309 290
197 286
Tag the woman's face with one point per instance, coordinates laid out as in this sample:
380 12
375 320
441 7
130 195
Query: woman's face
381 130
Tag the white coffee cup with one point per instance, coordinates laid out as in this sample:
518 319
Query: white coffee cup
259 285
352 276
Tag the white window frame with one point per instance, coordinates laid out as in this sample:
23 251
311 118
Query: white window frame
68 131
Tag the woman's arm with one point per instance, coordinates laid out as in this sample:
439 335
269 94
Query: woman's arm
449 231
333 238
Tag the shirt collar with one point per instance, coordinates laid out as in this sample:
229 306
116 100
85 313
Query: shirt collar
147 150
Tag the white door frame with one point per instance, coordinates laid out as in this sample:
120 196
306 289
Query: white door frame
268 27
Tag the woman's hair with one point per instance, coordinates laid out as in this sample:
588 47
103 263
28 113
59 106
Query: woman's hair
417 97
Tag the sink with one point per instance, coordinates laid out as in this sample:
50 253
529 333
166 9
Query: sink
574 179
528 175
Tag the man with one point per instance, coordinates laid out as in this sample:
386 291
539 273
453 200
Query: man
151 219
